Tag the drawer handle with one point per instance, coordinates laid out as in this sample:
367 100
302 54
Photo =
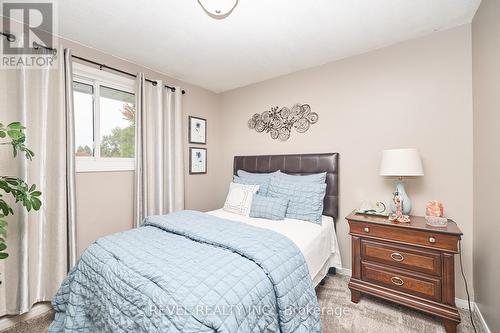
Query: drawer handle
397 281
397 256
432 240
366 229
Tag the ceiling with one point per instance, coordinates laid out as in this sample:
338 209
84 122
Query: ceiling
261 39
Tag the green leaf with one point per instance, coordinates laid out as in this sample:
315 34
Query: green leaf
15 125
36 193
27 204
3 255
23 186
4 208
12 181
21 140
29 154
3 247
36 203
15 134
32 188
3 134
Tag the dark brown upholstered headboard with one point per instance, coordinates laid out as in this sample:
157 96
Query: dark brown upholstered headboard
299 164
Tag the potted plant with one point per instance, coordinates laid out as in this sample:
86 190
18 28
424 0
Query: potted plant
21 192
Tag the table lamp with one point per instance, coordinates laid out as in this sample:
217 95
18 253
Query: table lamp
401 163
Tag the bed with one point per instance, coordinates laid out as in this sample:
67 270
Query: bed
318 243
195 272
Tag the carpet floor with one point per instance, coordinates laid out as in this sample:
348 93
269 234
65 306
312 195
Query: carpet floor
339 314
374 315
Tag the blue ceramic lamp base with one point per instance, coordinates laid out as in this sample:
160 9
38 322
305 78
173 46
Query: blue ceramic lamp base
405 200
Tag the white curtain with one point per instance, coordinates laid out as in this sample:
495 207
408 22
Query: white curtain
159 179
39 255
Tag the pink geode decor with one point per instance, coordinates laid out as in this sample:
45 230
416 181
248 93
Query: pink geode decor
434 208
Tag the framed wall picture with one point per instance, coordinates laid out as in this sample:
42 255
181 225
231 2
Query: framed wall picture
197 130
197 161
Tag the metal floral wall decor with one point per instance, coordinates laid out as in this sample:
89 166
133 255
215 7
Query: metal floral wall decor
279 123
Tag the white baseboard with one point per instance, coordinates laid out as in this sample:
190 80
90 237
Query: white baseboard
37 310
344 271
486 329
463 304
460 303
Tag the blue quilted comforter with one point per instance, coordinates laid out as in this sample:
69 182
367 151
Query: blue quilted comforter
189 272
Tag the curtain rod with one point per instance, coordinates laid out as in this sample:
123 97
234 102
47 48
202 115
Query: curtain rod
101 66
11 38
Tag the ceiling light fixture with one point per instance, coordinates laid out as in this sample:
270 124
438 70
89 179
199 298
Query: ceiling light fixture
218 9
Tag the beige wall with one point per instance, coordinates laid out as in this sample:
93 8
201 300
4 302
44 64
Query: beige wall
413 94
486 84
104 199
104 205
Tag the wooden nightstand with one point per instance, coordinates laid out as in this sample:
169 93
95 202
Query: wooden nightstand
408 263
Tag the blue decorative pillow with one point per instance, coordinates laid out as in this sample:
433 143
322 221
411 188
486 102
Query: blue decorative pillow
318 178
306 199
262 182
268 208
243 173
249 178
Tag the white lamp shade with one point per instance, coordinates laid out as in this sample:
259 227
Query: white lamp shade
401 163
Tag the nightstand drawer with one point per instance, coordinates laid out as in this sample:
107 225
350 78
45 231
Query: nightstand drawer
392 232
406 282
425 261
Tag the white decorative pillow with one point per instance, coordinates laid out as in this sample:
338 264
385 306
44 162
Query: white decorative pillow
239 198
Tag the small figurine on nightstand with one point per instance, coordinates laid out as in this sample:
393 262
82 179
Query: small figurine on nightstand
434 214
398 216
397 203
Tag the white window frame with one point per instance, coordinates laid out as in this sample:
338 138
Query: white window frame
96 78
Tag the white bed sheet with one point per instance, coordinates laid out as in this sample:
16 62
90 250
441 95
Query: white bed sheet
318 243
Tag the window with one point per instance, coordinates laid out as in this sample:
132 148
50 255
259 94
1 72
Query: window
83 98
104 106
